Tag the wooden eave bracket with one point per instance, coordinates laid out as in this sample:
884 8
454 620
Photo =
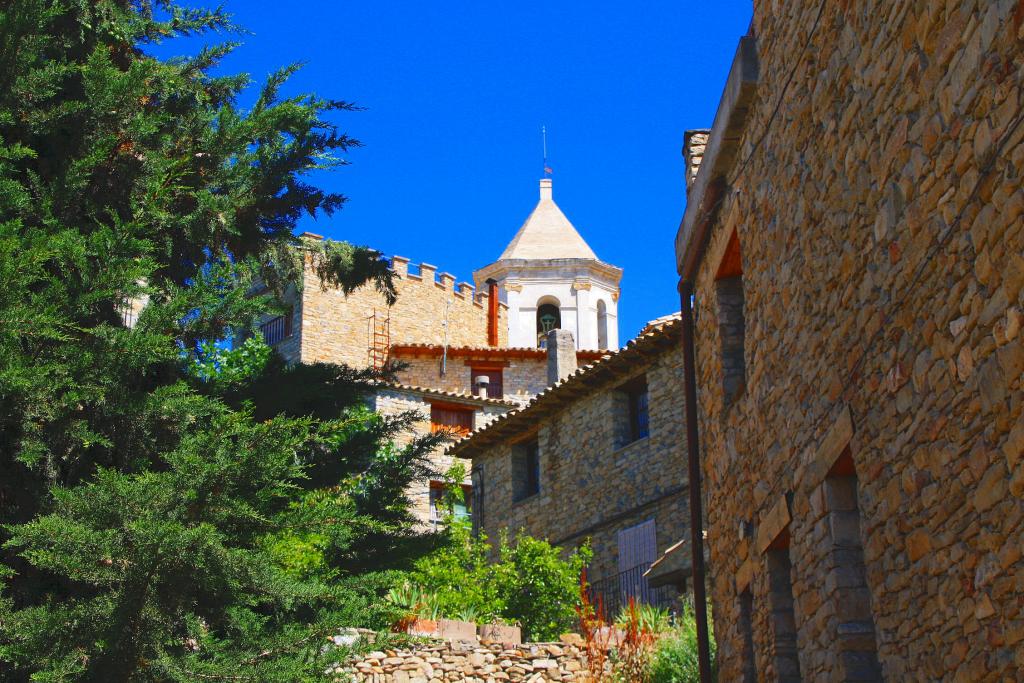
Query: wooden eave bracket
719 155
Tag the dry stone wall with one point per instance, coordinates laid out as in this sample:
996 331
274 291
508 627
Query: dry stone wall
878 200
471 663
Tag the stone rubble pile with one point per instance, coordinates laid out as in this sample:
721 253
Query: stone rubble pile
434 662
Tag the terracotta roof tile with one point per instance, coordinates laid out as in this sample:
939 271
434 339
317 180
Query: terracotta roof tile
657 336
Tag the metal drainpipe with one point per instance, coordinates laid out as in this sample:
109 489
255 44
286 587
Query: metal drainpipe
696 507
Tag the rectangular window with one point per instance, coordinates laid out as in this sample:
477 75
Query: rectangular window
439 502
783 615
631 408
495 385
525 470
639 416
276 330
436 503
731 324
855 636
455 419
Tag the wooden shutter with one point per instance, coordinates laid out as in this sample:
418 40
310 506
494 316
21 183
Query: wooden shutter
637 546
459 420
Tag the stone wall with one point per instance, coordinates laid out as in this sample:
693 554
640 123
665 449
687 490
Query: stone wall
589 486
473 663
877 197
694 145
335 326
393 402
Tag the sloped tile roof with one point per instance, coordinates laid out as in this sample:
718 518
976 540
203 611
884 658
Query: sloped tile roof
657 337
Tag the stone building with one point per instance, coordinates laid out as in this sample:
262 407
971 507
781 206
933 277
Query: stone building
598 457
453 339
458 412
853 238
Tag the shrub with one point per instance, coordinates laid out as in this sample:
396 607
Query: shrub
529 583
675 656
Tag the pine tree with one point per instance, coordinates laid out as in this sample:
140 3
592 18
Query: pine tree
172 511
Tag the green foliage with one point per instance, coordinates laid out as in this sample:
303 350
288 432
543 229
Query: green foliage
648 618
232 365
540 589
175 511
528 583
675 656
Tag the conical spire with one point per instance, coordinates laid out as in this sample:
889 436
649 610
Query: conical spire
547 233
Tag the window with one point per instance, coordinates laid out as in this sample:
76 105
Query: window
456 419
495 386
277 329
602 325
439 502
639 415
783 616
631 407
731 325
549 317
855 636
525 470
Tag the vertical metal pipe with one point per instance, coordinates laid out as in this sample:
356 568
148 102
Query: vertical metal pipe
492 312
693 458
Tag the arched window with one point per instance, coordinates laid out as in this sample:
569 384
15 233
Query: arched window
602 325
549 317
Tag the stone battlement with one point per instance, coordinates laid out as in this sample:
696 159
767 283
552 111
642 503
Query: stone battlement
432 308
425 272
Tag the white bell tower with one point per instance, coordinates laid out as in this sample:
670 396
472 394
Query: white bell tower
550 278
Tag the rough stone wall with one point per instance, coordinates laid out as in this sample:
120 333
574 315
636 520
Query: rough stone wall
878 203
523 378
589 488
335 326
395 402
474 663
693 150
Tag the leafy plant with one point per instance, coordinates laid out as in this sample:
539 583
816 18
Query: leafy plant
538 586
527 583
648 618
675 656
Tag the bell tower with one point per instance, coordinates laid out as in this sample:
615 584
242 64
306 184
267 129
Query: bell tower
550 278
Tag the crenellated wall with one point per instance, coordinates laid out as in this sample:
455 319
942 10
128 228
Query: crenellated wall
335 327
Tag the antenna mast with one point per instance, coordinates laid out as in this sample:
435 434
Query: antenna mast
544 143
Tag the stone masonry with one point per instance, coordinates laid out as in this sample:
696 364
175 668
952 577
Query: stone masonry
433 662
524 371
865 481
594 481
397 400
331 326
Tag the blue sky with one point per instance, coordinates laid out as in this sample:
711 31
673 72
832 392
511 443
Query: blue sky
455 95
